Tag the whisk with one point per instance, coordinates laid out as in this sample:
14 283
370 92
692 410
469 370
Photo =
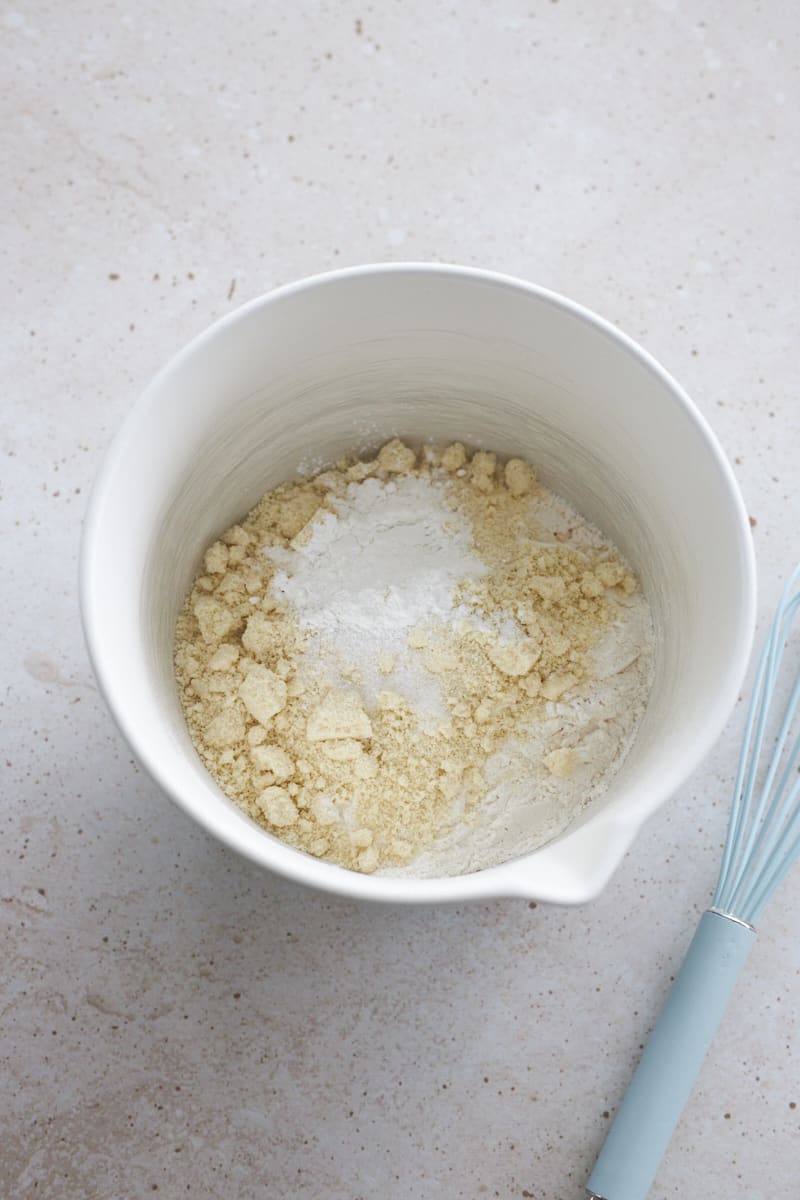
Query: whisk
762 844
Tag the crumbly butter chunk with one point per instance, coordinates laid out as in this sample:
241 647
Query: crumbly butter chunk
610 573
215 619
360 839
263 693
215 559
343 750
482 470
396 457
454 457
339 715
368 860
560 763
226 729
324 810
550 588
278 807
296 512
273 759
519 476
261 636
225 658
554 687
236 536
514 658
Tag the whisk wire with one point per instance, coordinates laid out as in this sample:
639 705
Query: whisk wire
766 826
778 867
769 661
737 813
748 818
764 838
743 787
779 821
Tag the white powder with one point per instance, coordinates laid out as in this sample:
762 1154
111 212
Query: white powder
389 560
526 806
448 663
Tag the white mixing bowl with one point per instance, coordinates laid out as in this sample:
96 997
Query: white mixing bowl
346 360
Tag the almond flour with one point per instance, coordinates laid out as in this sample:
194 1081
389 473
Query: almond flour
423 664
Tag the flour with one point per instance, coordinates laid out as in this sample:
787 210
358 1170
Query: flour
388 557
415 664
526 806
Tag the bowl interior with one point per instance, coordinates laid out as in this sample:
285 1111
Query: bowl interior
344 362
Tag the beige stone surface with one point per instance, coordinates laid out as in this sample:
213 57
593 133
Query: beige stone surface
174 1021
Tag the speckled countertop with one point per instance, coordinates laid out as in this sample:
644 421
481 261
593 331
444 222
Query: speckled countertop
174 1020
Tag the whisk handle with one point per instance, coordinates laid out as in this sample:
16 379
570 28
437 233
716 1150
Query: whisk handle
672 1058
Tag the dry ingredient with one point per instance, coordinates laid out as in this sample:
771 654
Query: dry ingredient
424 663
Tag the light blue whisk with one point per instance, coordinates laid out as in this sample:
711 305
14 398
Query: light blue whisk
762 844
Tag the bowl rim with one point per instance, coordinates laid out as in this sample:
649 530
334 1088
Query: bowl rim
511 878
